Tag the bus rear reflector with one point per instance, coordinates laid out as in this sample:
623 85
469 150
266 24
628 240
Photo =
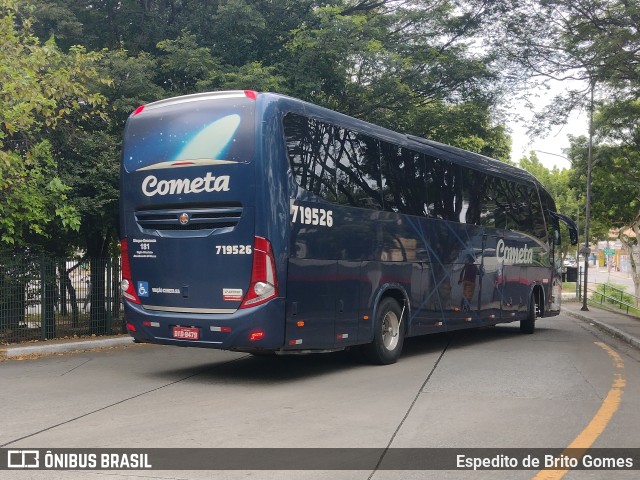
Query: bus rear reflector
130 327
264 283
259 335
220 329
128 291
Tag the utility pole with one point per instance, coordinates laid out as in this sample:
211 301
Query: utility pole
586 250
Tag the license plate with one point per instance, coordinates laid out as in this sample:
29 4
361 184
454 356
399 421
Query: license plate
186 333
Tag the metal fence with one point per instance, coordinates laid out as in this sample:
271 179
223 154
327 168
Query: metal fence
607 293
47 298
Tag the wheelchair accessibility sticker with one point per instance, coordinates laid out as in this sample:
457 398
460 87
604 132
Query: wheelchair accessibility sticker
143 289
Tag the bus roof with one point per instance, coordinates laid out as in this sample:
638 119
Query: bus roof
478 161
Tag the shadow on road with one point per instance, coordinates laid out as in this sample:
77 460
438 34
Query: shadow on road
246 369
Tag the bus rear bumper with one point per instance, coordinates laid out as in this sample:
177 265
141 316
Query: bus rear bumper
257 328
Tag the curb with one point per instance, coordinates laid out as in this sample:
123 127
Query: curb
13 352
631 340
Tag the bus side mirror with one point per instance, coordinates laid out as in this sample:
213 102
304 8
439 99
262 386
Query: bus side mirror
571 225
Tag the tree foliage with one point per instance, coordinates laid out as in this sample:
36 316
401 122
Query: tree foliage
616 176
43 89
407 66
588 42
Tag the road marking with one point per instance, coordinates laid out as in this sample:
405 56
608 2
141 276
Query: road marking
598 423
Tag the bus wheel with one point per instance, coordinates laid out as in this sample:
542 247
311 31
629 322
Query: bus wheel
528 325
388 334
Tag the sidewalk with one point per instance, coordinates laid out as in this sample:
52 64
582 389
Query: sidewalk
626 328
50 347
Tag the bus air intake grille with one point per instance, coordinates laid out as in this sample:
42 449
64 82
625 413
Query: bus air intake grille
183 222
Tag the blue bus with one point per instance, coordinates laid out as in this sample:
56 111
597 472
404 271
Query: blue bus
261 223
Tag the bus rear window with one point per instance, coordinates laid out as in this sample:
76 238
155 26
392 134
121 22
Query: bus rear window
191 132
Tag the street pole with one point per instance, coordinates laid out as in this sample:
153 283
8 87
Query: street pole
586 250
578 227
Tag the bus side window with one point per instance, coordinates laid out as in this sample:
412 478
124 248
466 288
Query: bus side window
445 191
311 146
358 170
404 180
479 199
500 217
519 208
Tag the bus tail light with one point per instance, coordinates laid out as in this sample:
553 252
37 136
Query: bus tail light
128 291
138 111
257 335
264 284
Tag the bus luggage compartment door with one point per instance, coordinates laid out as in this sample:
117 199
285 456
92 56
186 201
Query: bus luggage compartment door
311 308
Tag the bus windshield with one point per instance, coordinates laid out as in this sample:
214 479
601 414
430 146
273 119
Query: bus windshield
219 130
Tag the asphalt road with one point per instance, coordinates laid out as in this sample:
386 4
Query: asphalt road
487 388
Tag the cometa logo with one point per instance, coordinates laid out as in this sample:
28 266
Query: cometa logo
513 255
151 186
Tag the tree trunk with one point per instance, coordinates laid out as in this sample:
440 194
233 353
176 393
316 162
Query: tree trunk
634 254
97 252
635 261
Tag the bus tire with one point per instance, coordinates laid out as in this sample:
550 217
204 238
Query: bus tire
528 325
388 336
